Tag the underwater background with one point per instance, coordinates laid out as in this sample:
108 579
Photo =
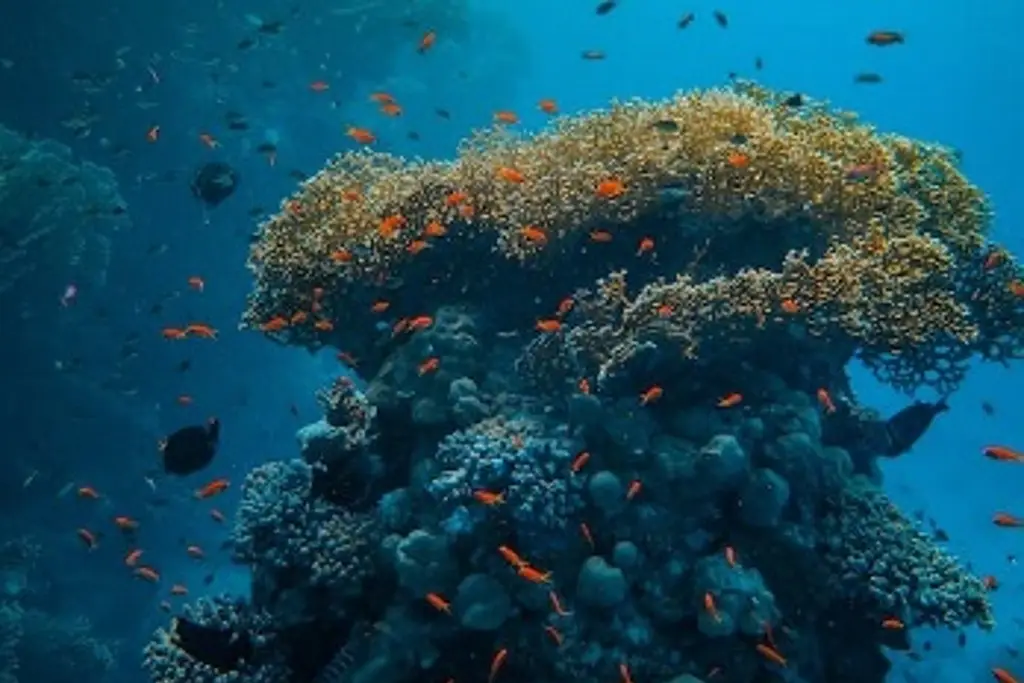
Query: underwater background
455 443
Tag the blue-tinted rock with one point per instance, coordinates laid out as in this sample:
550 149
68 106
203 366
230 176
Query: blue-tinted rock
600 584
481 603
763 498
607 492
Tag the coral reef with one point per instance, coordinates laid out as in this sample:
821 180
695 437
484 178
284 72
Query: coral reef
547 473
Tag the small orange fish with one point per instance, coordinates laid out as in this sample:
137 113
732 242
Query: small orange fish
416 246
147 574
549 325
509 117
173 333
826 401
1003 676
587 536
195 552
738 160
1005 519
789 306
885 38
584 386
428 41
88 493
202 331
1003 453
435 229
153 134
488 497
390 225
556 605
634 488
771 654
730 556
209 141
548 106
564 306
420 322
610 188
428 366
651 395
730 400
380 306
381 97
217 515
467 211
511 175
391 109
319 86
579 461
710 607
624 673
555 635
646 245
994 259
196 283
534 235
1016 288
274 324
601 236
439 603
178 589
534 575
496 663
361 135
87 537
132 558
664 311
512 557
341 256
215 487
892 624
183 400
324 325
455 198
126 523
991 582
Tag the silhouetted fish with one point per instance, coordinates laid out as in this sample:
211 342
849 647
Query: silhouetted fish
222 649
190 449
907 426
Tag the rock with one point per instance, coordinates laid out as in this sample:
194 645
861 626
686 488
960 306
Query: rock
600 584
481 603
763 498
607 492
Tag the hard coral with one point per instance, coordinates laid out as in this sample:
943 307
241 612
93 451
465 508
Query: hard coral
907 576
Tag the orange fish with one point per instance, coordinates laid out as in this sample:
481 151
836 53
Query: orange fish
885 38
496 663
610 188
391 109
511 175
587 536
991 582
555 635
274 324
380 306
646 245
429 365
126 523
651 395
467 211
361 135
215 487
416 246
324 325
435 229
381 97
579 461
710 608
826 401
892 624
556 605
426 42
583 386
601 236
1003 676
439 603
512 557
391 225
88 538
455 198
196 283
1005 519
153 134
549 325
564 306
488 497
534 235
789 306
505 117
195 552
173 333
319 86
88 492
132 558
730 556
534 575
634 488
147 574
1016 288
730 400
738 160
771 654
624 673
1003 453
183 400
341 256
209 141
178 589
548 106
217 515
202 331
420 322
664 311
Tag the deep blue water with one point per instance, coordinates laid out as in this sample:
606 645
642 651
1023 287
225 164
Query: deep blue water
90 388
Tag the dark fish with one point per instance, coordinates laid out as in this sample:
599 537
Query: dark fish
298 175
927 645
214 182
961 639
271 27
720 17
988 408
738 139
208 579
592 55
413 135
794 100
685 20
606 7
294 410
267 148
907 426
268 84
443 113
867 78
665 126
941 536
223 649
246 43
884 38
184 366
758 63
191 449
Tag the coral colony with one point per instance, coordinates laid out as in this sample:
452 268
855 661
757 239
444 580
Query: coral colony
550 469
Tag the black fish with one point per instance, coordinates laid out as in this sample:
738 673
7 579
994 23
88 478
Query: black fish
907 426
191 449
214 182
721 19
795 100
867 78
222 649
685 20
606 7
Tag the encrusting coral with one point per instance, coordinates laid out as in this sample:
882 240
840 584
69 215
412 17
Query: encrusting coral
536 469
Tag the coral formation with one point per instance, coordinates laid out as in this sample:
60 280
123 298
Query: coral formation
664 480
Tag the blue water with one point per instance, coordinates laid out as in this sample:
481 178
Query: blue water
88 389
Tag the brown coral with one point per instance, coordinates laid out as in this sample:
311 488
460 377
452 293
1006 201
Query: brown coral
872 231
